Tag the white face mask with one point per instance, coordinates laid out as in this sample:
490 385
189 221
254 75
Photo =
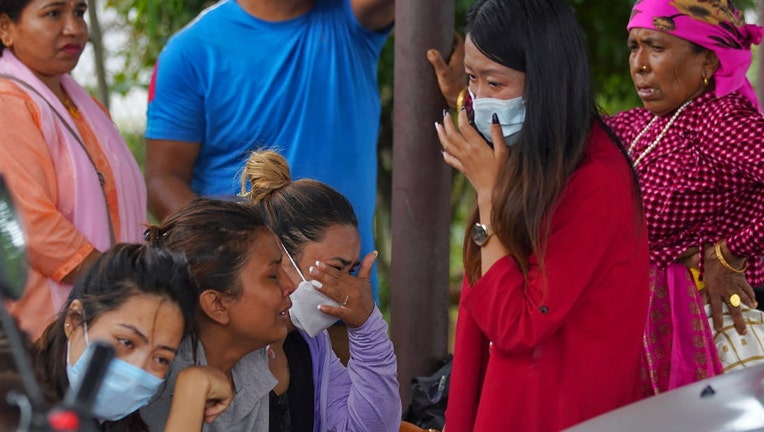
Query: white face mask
304 312
124 388
511 113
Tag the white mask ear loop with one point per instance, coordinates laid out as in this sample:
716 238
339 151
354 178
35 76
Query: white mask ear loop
85 327
69 341
293 263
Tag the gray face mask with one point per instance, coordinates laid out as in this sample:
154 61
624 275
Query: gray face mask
304 312
511 115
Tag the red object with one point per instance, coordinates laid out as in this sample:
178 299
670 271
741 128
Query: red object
566 346
64 421
153 82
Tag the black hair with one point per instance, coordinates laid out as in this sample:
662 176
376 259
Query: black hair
216 237
12 8
122 272
543 39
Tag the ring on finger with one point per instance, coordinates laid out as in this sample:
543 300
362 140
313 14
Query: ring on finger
734 300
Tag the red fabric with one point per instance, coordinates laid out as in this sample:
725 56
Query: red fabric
704 182
548 371
153 82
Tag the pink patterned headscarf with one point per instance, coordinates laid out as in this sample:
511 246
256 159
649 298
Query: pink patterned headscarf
713 24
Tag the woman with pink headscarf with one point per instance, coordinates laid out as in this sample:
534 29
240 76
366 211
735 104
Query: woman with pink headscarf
697 146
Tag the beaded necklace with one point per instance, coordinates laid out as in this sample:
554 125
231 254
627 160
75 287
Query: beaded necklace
658 138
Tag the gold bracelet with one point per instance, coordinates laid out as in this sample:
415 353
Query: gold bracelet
724 263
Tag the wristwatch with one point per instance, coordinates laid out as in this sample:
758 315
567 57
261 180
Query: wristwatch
481 233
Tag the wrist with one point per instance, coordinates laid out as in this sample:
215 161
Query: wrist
484 202
728 260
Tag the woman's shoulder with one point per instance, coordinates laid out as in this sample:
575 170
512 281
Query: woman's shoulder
605 164
11 92
730 106
8 87
17 105
627 119
604 149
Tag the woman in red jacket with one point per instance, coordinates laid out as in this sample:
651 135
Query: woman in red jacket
554 299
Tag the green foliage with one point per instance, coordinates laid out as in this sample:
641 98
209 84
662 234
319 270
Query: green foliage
149 23
604 25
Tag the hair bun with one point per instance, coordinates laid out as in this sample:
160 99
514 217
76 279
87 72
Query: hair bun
266 172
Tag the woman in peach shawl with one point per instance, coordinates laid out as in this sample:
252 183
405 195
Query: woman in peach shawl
76 184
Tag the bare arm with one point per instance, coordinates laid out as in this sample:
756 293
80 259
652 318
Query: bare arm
201 394
169 168
374 15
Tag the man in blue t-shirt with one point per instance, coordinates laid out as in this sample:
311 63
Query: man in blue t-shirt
298 76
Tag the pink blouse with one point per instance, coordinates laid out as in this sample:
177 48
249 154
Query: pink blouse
704 180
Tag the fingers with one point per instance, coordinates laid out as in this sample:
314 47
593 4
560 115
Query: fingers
437 62
737 319
748 296
458 46
443 75
450 75
473 139
704 296
716 311
353 294
497 135
733 301
338 286
467 130
215 408
447 135
366 264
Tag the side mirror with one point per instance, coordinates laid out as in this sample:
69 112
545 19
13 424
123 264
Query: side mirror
13 261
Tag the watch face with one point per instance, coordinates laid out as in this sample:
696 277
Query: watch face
479 234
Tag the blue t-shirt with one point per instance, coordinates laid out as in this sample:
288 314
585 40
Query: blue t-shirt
306 87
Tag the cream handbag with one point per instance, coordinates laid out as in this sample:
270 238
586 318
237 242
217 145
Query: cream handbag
735 350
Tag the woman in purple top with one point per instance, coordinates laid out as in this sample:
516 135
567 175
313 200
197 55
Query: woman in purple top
318 228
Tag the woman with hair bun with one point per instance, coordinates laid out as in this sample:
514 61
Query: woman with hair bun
319 232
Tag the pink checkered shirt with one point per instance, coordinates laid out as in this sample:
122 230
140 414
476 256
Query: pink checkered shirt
704 181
